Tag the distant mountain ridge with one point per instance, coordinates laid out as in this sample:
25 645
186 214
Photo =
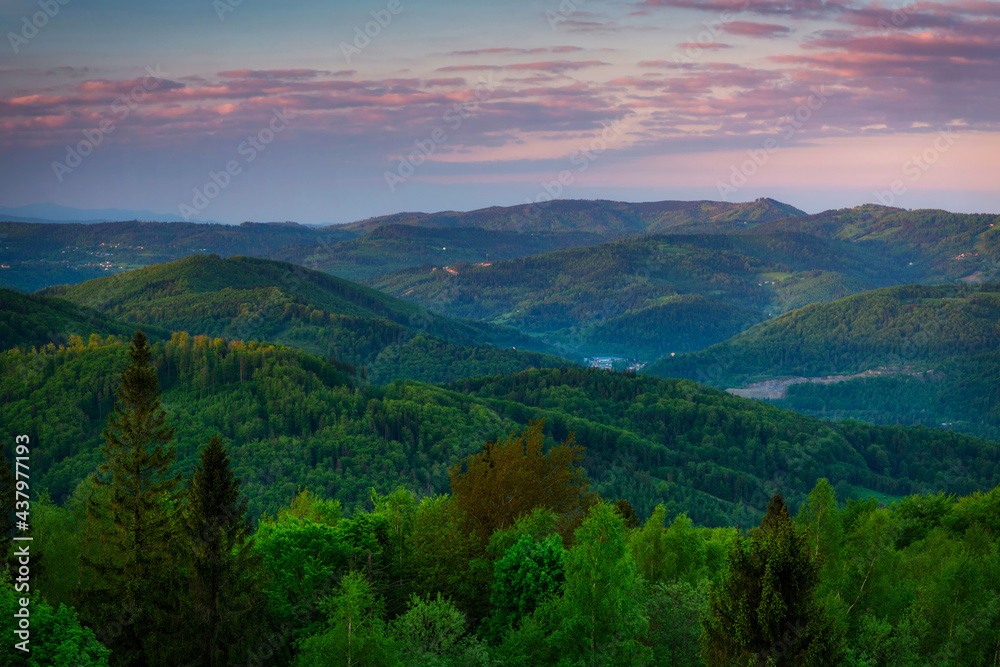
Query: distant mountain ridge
53 213
599 217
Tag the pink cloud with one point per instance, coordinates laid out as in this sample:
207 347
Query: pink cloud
793 8
507 49
751 29
703 45
294 74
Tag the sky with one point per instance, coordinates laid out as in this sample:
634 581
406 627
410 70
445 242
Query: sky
329 112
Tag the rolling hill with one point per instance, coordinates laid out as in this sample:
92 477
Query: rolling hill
393 247
257 299
942 246
574 297
292 419
924 355
40 255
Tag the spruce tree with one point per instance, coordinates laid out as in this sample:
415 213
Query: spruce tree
129 563
224 603
765 611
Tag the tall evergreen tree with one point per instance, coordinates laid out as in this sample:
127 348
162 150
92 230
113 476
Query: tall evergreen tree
224 602
765 612
128 566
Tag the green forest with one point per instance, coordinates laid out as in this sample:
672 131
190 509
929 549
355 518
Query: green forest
936 345
264 300
156 557
222 457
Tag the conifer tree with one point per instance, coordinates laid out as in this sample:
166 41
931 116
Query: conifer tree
128 565
765 612
224 602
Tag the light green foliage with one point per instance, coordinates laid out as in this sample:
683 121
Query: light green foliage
432 633
311 507
602 621
56 635
687 549
303 562
539 524
355 635
528 573
649 548
819 520
677 553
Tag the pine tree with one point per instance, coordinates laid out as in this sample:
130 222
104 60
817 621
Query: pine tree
765 612
127 567
224 603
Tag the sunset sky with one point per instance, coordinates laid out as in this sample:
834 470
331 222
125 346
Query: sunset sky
463 105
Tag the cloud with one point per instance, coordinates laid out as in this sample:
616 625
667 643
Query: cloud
703 45
790 8
555 66
751 29
510 50
279 74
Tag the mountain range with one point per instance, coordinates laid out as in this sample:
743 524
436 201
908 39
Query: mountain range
871 313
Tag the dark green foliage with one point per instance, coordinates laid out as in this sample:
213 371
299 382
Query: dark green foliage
223 605
765 610
930 353
30 320
8 504
292 419
674 611
255 299
131 515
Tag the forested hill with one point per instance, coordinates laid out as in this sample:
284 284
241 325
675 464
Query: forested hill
392 247
31 320
942 246
645 285
40 255
600 217
255 299
292 419
941 345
